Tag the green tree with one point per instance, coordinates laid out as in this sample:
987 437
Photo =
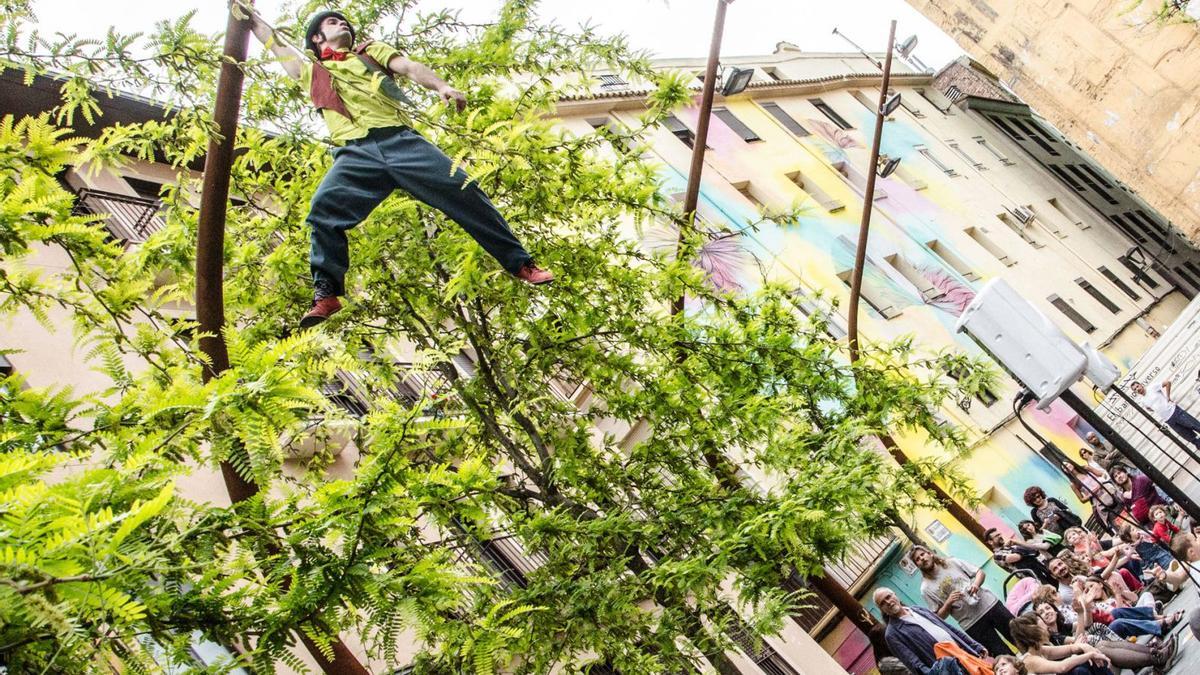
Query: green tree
99 550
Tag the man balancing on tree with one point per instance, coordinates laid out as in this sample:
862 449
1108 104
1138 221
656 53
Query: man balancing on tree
378 152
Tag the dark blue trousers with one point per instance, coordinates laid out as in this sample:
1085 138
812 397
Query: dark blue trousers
366 170
1185 425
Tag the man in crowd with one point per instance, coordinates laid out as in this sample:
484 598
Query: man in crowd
912 633
1157 397
1101 452
954 587
1011 556
378 152
1137 491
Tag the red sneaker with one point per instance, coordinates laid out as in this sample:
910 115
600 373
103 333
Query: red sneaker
532 274
322 309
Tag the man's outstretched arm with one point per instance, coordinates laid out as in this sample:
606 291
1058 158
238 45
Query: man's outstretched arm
424 76
289 57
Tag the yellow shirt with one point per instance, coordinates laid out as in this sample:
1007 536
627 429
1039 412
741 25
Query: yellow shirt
358 86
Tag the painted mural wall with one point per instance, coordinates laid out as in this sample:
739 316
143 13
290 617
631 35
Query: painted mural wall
925 264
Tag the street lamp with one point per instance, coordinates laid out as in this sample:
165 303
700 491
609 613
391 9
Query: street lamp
736 81
887 166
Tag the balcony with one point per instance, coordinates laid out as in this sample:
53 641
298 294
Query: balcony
855 571
130 220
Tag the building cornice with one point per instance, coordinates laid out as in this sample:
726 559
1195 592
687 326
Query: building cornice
634 98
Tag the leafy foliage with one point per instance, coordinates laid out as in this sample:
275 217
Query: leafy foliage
98 548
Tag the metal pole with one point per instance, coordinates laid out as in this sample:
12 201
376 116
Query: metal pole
692 196
860 258
1138 459
864 228
210 300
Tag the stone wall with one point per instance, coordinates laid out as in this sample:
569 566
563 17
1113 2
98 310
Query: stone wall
1120 84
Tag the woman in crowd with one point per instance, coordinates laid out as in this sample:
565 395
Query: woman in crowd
1033 637
1089 547
1096 600
1091 486
1049 513
1122 653
1036 538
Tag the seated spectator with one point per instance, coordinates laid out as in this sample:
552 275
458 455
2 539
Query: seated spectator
1013 557
912 633
1186 547
1092 486
1037 538
1089 547
1069 573
1122 653
1143 542
1137 492
1009 665
1041 656
1163 529
1103 454
1097 601
1049 513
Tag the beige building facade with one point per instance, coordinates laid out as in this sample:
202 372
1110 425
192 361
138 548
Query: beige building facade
1118 78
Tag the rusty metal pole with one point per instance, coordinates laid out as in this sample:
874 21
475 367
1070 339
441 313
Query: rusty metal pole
860 257
692 196
864 228
210 299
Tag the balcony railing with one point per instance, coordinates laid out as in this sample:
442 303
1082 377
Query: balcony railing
129 219
855 569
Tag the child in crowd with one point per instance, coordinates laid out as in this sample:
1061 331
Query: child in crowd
1164 530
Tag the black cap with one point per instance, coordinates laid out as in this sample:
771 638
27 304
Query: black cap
314 27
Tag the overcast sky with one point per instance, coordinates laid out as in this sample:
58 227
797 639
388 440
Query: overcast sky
668 28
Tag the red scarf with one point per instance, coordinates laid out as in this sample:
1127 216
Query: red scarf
327 53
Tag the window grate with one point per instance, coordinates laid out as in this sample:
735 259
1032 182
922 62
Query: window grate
680 130
829 112
785 119
1071 313
1099 295
1119 283
737 126
129 219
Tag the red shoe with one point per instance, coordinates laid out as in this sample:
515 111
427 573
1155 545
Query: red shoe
532 274
322 309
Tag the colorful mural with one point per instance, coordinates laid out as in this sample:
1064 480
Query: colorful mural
909 272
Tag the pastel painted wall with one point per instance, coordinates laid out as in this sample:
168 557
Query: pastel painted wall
941 228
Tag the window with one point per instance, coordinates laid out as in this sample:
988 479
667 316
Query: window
963 153
993 151
773 73
985 396
870 293
924 286
952 260
340 394
6 366
1155 231
146 189
905 102
858 181
867 103
1070 312
1021 228
1119 283
1195 269
785 119
1067 213
1138 273
934 160
1125 227
1095 176
1091 183
1098 295
999 122
684 134
1042 141
747 191
612 131
612 82
833 323
1066 177
737 126
811 189
756 649
830 113
1182 274
981 237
